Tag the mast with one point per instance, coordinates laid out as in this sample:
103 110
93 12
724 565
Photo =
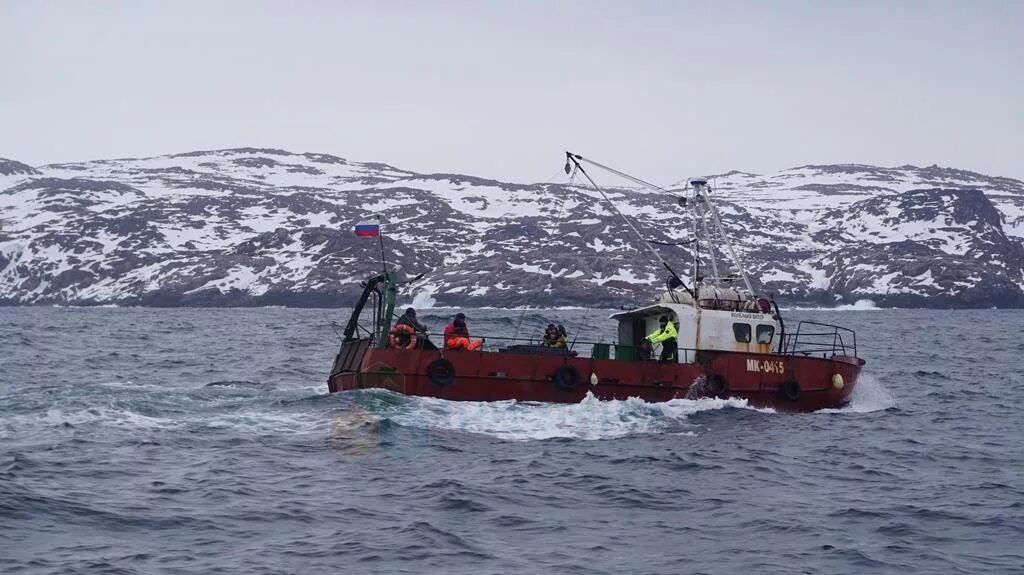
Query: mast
387 309
383 257
702 207
701 187
383 289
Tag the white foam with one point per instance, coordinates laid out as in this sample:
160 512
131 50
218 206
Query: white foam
264 422
868 395
589 419
859 305
104 415
424 297
213 412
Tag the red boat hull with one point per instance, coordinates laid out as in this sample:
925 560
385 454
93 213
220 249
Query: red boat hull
764 380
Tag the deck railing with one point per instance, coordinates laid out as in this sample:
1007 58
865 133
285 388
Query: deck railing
592 349
813 338
810 338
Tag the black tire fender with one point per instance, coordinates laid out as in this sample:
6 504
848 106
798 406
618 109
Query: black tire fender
718 386
790 390
566 378
441 372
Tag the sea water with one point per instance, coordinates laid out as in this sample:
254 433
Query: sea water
204 441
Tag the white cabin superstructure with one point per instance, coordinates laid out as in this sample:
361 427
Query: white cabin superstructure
702 329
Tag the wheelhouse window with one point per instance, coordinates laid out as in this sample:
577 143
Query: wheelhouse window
765 333
742 332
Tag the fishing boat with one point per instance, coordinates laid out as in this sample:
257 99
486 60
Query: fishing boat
731 341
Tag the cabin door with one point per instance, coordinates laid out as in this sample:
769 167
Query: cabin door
639 333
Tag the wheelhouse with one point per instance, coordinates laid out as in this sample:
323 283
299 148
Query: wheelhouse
700 329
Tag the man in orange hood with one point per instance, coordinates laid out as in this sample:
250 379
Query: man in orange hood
456 335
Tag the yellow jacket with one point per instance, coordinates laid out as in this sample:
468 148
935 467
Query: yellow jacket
659 335
557 341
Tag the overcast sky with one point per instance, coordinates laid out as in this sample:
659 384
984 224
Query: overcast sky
664 90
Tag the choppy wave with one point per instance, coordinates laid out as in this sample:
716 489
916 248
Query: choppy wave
136 440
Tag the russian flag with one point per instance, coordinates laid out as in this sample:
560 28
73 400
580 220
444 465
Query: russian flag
368 229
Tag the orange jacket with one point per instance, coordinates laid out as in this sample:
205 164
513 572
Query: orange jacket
452 330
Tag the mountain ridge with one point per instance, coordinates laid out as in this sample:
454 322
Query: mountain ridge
264 226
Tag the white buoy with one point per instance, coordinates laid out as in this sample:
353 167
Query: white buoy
837 381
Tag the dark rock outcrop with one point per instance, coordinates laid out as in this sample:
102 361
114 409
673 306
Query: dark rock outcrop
13 168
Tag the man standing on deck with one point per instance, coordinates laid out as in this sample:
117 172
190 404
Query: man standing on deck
667 336
456 335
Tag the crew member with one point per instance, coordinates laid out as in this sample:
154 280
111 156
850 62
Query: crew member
667 336
403 334
553 337
456 335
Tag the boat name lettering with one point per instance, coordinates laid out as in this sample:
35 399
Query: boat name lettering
765 366
739 315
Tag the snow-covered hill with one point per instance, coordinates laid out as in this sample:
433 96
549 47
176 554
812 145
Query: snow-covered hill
255 226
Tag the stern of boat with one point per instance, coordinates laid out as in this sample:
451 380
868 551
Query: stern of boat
348 363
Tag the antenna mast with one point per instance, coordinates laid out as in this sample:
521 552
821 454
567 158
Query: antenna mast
700 190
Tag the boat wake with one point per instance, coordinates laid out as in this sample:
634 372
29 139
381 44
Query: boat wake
589 419
266 410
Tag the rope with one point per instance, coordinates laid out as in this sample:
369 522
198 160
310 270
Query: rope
621 215
561 208
728 244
